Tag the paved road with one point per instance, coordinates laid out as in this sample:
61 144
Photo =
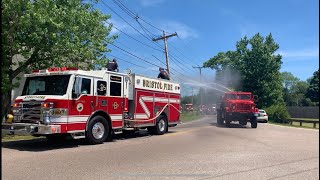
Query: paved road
196 150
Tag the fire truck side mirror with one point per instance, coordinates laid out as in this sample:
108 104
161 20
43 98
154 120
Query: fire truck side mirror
255 98
77 89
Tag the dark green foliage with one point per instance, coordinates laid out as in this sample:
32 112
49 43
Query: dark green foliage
278 113
257 65
47 33
313 90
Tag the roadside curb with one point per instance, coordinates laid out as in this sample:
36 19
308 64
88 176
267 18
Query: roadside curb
312 129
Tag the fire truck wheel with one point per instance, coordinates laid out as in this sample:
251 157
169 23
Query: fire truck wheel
219 118
226 119
98 130
254 123
161 126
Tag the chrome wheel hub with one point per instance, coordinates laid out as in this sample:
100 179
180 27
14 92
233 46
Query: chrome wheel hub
162 125
98 130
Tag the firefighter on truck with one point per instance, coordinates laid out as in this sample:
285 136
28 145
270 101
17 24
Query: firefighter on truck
60 102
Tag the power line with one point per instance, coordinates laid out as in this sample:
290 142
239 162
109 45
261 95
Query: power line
134 55
126 61
124 8
177 59
159 60
134 15
124 19
135 38
164 37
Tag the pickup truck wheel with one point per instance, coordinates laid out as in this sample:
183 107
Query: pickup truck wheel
254 123
98 130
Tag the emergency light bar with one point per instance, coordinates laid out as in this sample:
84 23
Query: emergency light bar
55 69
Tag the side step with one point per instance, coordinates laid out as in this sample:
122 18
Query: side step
117 131
77 134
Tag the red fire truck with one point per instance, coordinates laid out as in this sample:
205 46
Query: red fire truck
239 107
93 104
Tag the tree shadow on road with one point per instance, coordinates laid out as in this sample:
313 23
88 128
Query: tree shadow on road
230 126
42 144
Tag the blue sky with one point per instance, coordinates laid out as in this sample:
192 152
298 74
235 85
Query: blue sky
207 27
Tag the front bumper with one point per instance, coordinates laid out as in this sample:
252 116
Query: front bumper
29 129
236 116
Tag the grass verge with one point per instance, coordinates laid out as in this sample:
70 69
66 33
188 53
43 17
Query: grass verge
297 125
307 119
190 116
7 138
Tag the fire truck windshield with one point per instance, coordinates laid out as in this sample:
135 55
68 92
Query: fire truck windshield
239 96
46 85
244 96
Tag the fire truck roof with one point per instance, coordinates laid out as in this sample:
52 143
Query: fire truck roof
235 92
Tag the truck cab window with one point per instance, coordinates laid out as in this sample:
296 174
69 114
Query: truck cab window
102 88
85 86
115 86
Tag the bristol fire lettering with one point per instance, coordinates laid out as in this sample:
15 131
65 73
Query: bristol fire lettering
157 85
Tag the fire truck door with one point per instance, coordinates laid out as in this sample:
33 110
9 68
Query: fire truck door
101 98
116 98
81 103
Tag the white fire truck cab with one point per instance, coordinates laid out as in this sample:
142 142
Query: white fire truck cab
93 104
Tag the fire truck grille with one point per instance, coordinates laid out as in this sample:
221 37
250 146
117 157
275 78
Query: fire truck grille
243 107
31 112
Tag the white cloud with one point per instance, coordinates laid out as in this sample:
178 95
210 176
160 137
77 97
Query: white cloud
148 3
184 31
304 53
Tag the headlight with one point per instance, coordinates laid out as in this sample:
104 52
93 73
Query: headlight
47 104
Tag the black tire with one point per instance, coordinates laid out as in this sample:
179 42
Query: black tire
161 126
219 118
243 122
226 119
254 122
98 130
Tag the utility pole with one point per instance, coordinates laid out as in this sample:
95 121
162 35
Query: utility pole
164 37
200 82
192 96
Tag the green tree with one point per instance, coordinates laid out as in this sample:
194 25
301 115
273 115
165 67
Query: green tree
298 92
288 81
258 67
51 33
313 90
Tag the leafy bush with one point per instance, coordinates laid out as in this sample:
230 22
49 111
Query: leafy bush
278 113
